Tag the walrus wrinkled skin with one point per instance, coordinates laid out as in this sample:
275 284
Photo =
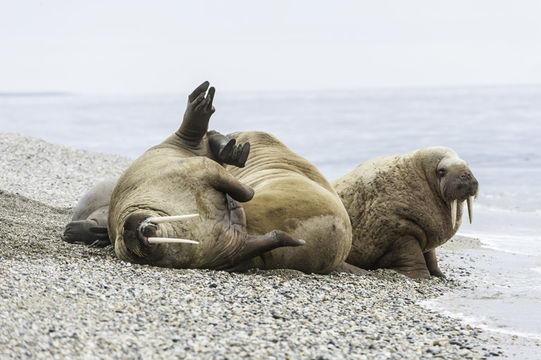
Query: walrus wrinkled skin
89 222
291 195
177 177
401 208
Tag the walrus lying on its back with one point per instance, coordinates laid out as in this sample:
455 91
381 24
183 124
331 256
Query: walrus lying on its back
402 207
178 177
89 222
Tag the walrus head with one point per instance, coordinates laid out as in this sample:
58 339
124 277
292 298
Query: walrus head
451 177
140 231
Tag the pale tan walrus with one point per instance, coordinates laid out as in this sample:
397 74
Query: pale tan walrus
402 207
176 207
293 196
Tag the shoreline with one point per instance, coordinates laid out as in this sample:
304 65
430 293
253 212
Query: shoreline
61 300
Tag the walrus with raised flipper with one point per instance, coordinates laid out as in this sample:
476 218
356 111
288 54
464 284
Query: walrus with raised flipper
177 207
402 207
293 196
89 222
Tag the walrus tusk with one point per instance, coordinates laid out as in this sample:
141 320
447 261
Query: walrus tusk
166 219
161 240
470 207
453 212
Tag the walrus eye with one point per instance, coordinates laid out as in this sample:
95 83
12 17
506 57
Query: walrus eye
441 172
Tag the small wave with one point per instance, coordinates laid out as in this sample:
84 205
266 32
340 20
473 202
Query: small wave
513 210
528 245
476 321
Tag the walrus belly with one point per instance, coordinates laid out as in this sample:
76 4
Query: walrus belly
304 210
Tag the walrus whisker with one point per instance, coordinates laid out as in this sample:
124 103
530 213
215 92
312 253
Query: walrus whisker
166 219
470 208
453 212
162 240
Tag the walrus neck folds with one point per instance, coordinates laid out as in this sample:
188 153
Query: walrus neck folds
191 135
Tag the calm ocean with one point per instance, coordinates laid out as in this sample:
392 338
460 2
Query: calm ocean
496 129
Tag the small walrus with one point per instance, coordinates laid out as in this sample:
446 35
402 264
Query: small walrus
402 207
177 207
89 222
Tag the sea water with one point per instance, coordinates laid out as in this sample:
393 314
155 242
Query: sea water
497 130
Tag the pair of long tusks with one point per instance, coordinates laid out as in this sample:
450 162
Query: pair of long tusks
454 210
166 219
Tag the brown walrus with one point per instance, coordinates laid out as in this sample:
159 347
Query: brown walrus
89 222
293 196
402 207
149 218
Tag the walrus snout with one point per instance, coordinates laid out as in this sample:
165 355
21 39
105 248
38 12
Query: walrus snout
134 240
460 186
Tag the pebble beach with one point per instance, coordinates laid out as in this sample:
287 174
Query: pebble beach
59 300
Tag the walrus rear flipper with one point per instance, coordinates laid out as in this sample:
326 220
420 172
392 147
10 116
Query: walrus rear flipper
255 245
225 150
86 232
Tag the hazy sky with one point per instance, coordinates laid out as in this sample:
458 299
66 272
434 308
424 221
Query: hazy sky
169 46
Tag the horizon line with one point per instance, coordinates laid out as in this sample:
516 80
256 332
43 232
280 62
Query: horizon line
38 93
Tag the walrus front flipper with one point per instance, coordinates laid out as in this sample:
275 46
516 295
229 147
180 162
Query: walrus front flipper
228 184
86 232
255 245
405 257
432 263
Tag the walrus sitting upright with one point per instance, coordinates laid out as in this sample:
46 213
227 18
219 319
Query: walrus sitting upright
402 207
149 219
293 196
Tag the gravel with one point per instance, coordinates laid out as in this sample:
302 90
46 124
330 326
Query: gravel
62 301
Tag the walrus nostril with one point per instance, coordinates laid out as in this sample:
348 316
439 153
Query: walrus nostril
466 176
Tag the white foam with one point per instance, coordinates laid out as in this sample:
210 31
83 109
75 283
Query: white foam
479 322
514 210
529 245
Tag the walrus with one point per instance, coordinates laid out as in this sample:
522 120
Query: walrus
177 207
89 222
293 196
402 207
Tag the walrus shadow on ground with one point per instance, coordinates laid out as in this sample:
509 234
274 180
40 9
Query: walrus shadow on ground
402 207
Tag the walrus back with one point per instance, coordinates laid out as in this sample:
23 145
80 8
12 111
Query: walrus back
293 196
